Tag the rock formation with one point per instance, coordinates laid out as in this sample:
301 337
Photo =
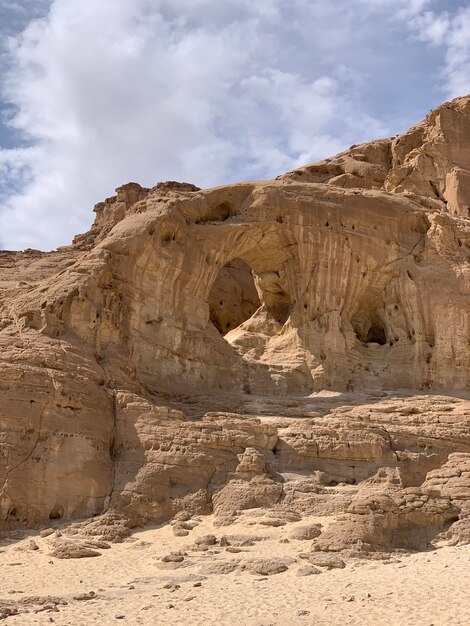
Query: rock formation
299 346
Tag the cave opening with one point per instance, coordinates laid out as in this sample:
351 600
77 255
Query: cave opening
233 297
368 326
376 334
56 513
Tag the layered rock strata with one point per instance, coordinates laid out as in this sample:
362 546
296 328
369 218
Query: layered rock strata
301 345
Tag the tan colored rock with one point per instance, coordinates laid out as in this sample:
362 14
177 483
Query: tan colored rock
452 480
266 567
308 570
297 346
179 531
32 545
85 596
69 551
173 558
405 519
206 540
457 192
306 533
430 162
326 560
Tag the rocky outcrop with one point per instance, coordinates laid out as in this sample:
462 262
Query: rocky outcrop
300 345
428 163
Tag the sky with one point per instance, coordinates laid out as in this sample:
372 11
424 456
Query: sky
97 94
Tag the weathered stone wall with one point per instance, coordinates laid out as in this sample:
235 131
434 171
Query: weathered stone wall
126 358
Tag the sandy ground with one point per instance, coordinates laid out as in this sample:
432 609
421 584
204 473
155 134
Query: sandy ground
129 580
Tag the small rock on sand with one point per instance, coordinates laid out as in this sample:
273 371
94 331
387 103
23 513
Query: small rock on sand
85 596
172 558
308 570
266 567
326 560
305 533
206 540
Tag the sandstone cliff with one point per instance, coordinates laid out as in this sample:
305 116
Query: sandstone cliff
301 344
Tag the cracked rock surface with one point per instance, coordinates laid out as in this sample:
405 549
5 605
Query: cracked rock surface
299 347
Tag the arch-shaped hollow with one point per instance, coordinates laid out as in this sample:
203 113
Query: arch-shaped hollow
233 297
376 334
368 324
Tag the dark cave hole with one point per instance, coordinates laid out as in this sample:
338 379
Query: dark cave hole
368 326
376 334
233 297
56 513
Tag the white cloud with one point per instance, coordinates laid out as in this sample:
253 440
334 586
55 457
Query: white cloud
457 70
400 8
210 92
431 27
15 14
452 32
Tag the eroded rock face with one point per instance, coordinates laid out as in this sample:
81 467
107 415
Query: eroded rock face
249 347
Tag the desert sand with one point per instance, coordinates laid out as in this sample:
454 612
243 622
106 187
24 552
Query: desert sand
133 586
